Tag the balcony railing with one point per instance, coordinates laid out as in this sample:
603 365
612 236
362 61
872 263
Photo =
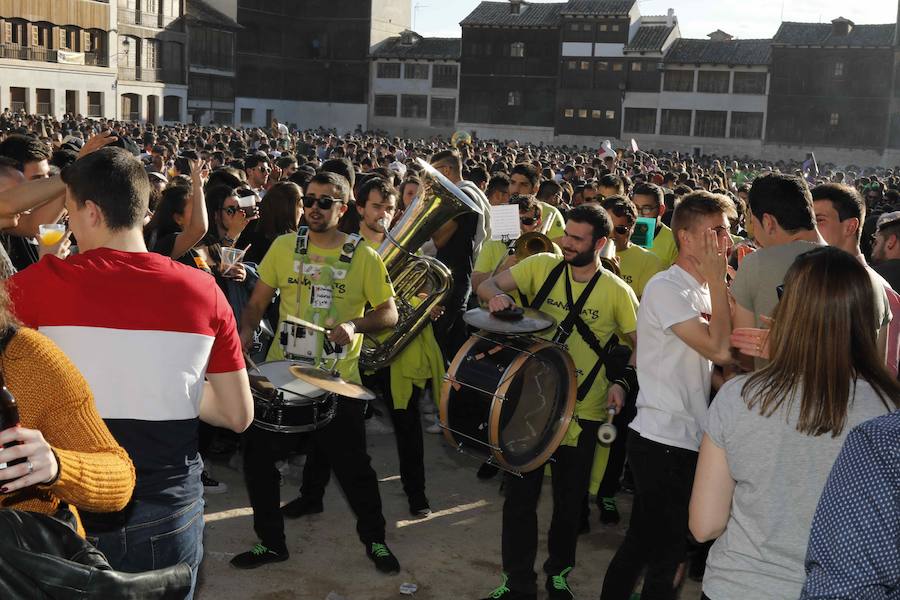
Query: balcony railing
151 75
145 19
93 59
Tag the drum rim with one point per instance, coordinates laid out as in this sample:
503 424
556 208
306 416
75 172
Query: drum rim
535 346
291 362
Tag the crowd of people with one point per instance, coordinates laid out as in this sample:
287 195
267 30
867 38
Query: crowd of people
735 318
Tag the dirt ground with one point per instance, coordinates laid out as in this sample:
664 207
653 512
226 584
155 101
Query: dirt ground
453 554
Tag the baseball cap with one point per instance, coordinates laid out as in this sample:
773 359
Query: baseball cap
888 219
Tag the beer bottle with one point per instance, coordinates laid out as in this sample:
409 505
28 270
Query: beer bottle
9 417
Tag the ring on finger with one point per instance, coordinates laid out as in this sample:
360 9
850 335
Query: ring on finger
30 466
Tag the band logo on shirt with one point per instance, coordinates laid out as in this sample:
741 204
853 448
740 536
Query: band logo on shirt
586 312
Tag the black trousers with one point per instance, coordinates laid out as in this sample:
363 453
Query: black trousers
343 443
657 534
407 432
451 332
571 472
609 485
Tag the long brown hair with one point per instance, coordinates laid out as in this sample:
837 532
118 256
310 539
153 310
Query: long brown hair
822 341
278 211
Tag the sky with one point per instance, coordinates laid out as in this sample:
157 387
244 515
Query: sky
696 18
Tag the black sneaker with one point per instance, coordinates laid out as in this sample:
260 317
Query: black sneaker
609 512
558 586
418 506
487 471
212 486
299 507
505 593
258 556
384 559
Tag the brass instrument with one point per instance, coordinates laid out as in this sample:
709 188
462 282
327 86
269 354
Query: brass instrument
529 244
427 279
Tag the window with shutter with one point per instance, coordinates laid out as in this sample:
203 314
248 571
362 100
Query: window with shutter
35 37
62 38
7 32
86 42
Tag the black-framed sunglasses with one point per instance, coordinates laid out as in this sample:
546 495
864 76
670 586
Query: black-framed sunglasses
621 229
325 202
231 210
779 290
528 221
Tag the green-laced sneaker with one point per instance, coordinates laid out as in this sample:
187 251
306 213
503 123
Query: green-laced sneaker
609 512
558 586
504 593
258 556
384 559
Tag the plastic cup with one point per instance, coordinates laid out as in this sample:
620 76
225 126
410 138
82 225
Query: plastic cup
51 234
230 257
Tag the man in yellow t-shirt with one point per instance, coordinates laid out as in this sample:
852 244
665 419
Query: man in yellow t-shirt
636 264
525 179
649 200
328 278
610 306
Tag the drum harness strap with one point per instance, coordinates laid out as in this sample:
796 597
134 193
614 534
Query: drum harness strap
564 330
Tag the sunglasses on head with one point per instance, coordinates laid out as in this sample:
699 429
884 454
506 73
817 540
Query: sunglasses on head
325 202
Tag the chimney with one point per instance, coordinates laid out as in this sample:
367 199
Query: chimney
720 36
516 7
841 26
670 17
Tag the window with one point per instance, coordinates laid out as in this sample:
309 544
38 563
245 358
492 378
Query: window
582 113
610 114
834 120
838 68
569 113
640 120
679 81
596 114
95 104
617 66
574 27
18 99
585 65
415 71
514 98
602 65
517 49
615 27
750 83
474 49
172 108
586 27
572 65
675 122
445 76
413 106
385 105
151 54
713 82
746 125
443 112
246 115
604 27
44 101
637 66
388 70
710 123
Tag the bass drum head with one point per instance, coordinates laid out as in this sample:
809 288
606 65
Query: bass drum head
539 391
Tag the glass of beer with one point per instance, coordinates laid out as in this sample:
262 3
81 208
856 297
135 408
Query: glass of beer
51 234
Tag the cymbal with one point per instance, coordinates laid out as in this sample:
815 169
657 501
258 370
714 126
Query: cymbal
330 383
531 321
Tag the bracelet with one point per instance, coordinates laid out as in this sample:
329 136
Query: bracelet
501 294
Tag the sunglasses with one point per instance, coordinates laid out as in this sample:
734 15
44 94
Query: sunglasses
621 229
325 202
528 221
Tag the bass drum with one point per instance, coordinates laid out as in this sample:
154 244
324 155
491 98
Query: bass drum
289 405
509 400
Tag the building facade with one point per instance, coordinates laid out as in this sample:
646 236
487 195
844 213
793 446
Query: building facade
55 57
211 64
150 59
414 85
307 62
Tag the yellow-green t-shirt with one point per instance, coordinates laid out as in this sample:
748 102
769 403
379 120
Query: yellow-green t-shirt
366 282
493 252
558 227
638 265
612 307
664 247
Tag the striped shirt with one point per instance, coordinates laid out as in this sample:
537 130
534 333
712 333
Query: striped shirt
143 330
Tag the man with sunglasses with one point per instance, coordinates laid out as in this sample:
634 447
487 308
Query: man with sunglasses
257 168
326 277
636 264
650 202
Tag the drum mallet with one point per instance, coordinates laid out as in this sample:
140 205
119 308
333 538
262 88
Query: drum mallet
607 432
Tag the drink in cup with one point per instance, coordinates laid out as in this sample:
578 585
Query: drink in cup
51 234
230 257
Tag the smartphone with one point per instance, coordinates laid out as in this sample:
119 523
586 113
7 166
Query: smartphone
644 230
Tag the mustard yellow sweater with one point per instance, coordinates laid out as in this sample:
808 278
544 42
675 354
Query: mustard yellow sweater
95 473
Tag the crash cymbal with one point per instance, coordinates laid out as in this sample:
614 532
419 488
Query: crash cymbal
330 382
528 321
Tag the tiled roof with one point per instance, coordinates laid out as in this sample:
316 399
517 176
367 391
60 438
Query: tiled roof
820 34
731 52
649 38
428 48
199 11
598 7
497 13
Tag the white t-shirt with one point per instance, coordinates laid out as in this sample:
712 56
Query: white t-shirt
674 378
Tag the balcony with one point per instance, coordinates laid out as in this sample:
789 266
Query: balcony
13 51
145 19
151 75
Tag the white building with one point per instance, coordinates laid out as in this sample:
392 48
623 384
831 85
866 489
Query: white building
712 99
415 85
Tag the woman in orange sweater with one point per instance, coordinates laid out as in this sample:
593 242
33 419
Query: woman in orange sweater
70 455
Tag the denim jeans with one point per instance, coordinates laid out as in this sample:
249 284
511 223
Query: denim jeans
155 536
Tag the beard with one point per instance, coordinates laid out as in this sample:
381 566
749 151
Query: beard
582 259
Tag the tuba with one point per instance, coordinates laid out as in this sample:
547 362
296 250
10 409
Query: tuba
420 282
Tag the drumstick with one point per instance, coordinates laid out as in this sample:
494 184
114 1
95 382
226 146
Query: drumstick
252 364
306 324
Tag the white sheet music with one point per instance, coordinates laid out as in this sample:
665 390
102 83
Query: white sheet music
505 222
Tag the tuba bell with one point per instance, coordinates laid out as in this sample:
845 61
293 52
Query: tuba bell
420 282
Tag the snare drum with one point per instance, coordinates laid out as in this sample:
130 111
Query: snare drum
297 406
509 400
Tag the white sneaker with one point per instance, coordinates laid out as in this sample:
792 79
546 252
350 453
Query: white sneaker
435 426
